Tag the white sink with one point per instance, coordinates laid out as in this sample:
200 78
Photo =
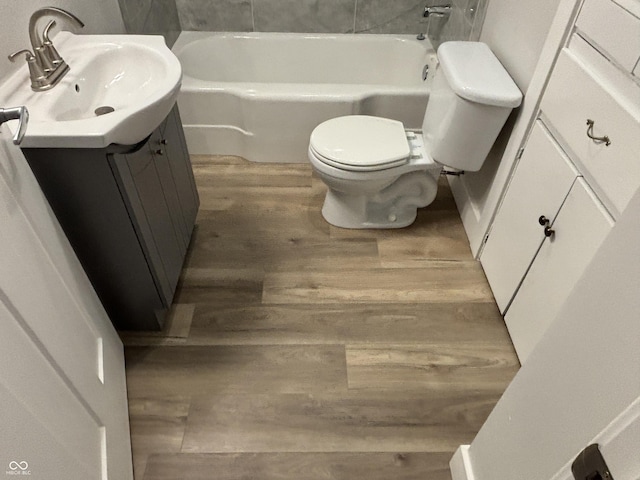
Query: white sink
135 78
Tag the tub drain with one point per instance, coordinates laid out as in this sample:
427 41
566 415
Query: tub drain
103 110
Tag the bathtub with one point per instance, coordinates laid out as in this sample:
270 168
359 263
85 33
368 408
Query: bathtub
259 95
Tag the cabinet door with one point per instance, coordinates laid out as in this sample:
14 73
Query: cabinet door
175 146
580 228
162 160
154 220
541 183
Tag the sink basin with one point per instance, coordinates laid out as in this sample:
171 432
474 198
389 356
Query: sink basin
118 90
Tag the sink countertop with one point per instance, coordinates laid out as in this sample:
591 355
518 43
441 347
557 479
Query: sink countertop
135 75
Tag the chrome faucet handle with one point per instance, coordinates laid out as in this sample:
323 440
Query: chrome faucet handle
37 74
17 113
28 55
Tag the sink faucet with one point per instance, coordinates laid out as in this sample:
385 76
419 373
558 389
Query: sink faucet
46 66
437 11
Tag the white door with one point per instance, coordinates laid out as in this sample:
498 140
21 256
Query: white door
619 445
579 380
63 410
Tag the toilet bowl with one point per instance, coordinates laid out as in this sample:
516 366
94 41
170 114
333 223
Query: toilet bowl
378 173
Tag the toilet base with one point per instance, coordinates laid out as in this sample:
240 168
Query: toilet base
355 213
396 206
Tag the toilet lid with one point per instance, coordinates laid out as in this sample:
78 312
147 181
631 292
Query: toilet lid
360 142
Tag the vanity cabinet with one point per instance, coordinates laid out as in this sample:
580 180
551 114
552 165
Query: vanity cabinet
579 169
128 212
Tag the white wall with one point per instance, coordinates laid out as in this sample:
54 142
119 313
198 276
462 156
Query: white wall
99 16
516 31
581 375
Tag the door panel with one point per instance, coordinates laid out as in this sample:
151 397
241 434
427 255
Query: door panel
55 313
46 413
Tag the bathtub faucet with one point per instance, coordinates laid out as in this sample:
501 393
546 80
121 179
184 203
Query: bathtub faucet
437 11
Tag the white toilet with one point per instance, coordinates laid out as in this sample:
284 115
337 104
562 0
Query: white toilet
379 174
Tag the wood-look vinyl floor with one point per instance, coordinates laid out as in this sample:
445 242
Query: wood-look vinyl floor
299 351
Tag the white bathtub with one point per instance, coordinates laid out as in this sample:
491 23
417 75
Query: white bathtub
259 95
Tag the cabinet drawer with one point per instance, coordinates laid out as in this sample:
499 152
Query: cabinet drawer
580 228
540 184
573 96
622 42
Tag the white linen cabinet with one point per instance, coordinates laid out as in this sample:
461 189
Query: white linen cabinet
579 169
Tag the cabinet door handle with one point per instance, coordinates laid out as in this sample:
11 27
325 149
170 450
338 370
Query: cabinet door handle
605 139
548 231
159 152
163 142
544 221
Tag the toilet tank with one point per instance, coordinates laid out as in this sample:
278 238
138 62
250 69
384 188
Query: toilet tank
471 98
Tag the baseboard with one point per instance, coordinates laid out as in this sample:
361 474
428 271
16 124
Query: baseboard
469 214
460 464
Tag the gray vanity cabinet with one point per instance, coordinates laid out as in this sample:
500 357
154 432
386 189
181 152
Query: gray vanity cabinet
128 213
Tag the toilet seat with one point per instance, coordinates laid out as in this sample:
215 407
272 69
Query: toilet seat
361 143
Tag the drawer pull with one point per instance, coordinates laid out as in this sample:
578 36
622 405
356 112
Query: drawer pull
605 139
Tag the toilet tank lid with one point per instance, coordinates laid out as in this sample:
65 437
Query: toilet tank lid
475 74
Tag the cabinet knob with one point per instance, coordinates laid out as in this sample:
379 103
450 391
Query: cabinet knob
544 221
163 142
548 231
159 152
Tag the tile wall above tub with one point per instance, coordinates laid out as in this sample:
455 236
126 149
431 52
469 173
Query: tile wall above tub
152 17
331 16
